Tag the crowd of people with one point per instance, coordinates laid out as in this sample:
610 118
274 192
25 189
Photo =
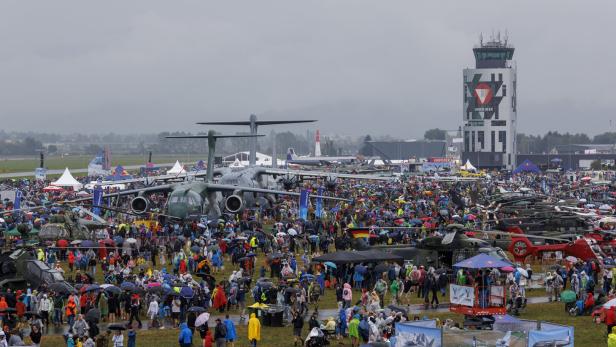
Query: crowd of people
171 274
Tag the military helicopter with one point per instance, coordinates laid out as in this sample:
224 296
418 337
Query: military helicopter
72 225
445 250
19 269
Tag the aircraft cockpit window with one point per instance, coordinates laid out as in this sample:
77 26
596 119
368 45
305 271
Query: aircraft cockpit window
33 268
47 277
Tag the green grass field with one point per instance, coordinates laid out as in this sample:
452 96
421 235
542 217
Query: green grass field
587 333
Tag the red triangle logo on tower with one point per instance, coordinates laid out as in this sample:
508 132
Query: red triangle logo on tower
483 93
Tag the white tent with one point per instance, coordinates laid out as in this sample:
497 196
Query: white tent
468 166
67 180
176 169
237 165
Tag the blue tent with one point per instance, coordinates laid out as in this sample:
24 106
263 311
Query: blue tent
481 261
118 175
526 166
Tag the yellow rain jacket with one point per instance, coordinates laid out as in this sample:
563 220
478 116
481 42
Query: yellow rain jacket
40 255
254 328
611 338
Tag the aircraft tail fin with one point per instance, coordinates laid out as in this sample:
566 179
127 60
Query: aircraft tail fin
291 154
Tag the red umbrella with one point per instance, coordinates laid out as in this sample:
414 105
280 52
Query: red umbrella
62 243
107 242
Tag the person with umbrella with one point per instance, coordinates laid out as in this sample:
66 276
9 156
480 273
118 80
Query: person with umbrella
118 339
135 305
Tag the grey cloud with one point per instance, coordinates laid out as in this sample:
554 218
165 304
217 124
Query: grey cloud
390 67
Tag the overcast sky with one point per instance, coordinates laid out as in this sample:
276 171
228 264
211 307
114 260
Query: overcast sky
378 67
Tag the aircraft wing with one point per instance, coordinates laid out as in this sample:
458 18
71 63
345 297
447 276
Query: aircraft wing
453 179
153 189
149 179
323 174
231 188
259 122
319 160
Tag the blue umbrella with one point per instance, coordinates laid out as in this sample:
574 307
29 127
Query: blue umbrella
481 261
92 288
128 286
187 292
113 290
88 243
118 240
308 277
330 264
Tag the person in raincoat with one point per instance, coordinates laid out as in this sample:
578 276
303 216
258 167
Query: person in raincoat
611 338
231 334
254 330
342 321
185 337
220 299
347 295
354 331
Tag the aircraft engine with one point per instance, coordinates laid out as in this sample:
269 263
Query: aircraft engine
289 183
140 205
330 183
234 203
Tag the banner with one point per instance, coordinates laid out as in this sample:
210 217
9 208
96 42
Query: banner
17 201
303 204
40 174
562 337
319 205
409 334
497 295
461 295
97 199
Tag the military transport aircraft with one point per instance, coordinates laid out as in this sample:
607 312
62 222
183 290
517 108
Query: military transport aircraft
193 199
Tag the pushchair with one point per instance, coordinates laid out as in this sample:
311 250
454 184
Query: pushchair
316 338
577 309
516 305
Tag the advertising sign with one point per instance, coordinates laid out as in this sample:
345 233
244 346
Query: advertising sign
408 334
461 295
40 174
561 337
319 205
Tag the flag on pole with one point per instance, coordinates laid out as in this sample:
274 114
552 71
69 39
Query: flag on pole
97 198
319 205
358 233
303 204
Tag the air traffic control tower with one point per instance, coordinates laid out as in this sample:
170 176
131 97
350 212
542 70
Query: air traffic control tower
489 113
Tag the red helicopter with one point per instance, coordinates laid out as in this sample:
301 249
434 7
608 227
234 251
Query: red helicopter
586 247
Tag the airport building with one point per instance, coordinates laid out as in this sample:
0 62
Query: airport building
490 103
